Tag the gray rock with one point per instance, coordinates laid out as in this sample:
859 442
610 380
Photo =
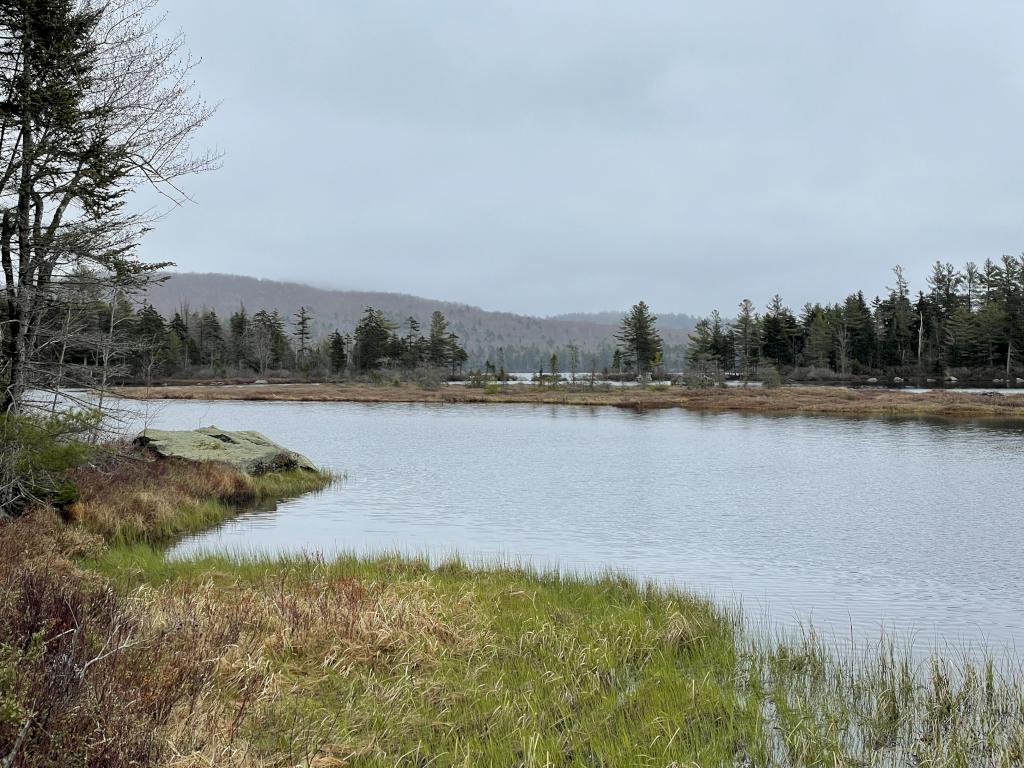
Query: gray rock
872 380
248 451
897 380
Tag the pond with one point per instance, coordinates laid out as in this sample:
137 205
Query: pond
852 525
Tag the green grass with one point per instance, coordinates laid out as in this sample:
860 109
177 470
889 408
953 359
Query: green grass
390 661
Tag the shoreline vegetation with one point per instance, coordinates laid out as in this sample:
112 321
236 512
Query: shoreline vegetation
113 655
821 400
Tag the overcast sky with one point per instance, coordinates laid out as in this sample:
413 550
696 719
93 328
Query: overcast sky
545 157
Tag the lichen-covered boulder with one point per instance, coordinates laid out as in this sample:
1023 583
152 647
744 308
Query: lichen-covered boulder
249 451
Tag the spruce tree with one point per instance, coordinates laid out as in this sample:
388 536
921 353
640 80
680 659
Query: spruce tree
337 346
639 339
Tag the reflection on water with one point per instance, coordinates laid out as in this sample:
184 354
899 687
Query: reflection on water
848 523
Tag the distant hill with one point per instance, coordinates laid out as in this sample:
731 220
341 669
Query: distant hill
527 342
666 320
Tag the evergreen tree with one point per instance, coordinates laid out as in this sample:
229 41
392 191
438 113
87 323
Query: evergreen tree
149 342
211 339
303 335
780 336
858 319
372 340
456 355
639 340
574 361
337 355
897 320
818 333
413 344
746 333
239 338
189 353
437 343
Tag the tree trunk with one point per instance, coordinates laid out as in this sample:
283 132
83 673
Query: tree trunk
17 350
1009 356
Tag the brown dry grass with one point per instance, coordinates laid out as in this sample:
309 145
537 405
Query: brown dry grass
298 628
839 401
127 496
134 496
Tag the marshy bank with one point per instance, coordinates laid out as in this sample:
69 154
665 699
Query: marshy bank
113 655
824 400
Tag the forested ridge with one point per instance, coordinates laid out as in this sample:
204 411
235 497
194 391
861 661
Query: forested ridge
526 342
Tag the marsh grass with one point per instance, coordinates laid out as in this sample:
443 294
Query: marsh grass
393 661
396 661
824 400
132 497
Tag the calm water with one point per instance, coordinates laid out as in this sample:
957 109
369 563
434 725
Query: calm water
849 524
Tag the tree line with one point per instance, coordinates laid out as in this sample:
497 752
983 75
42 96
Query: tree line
969 321
126 341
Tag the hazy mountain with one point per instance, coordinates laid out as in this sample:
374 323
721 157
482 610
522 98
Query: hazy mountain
527 341
666 320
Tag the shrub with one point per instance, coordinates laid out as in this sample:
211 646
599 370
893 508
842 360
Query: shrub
85 677
770 377
37 453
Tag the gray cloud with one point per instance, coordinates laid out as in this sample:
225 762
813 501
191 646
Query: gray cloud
548 157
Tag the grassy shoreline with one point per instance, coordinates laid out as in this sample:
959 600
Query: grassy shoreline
392 661
835 401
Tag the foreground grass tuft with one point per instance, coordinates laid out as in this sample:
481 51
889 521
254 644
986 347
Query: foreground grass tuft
392 662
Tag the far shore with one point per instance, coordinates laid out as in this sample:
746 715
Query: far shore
826 400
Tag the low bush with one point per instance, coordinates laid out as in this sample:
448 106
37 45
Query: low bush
86 676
